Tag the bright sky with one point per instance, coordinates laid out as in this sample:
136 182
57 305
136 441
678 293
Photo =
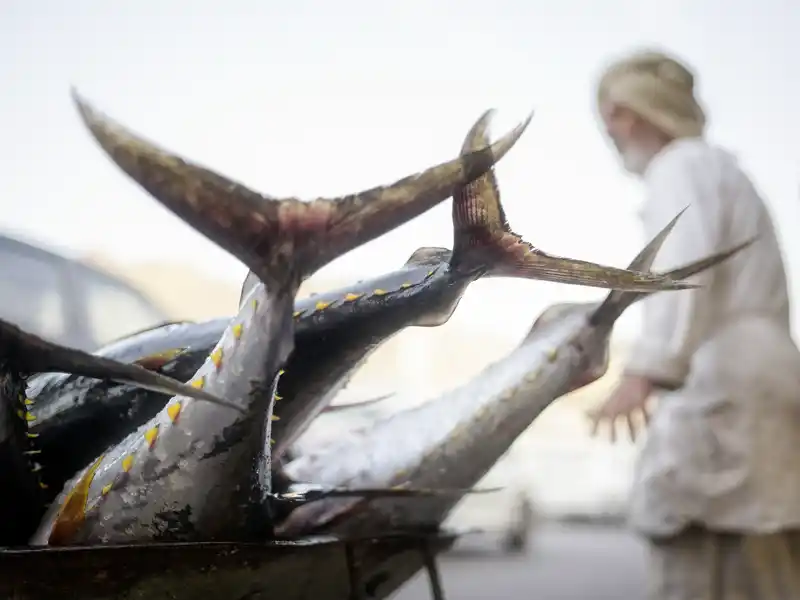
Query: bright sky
321 98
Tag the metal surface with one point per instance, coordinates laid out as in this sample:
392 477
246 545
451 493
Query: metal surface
312 569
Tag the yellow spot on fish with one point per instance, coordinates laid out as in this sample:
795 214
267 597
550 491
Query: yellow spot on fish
237 330
352 297
216 357
532 376
151 435
127 463
405 285
198 383
106 489
379 292
28 402
552 354
26 416
159 359
73 512
173 410
274 418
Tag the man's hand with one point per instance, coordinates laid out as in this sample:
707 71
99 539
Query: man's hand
626 401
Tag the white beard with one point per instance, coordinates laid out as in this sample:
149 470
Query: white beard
635 160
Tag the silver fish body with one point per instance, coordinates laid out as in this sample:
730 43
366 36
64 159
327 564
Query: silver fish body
192 472
452 441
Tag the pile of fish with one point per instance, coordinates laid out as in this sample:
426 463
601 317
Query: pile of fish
159 466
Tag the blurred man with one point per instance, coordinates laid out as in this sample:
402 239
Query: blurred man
717 487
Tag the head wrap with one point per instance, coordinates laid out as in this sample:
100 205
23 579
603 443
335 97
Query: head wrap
658 88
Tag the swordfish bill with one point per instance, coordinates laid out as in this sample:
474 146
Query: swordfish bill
191 473
453 440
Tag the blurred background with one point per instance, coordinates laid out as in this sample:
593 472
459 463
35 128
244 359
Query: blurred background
311 98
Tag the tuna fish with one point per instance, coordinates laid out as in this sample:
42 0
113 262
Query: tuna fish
202 474
76 418
23 499
454 440
334 332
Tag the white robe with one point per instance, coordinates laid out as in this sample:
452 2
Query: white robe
723 451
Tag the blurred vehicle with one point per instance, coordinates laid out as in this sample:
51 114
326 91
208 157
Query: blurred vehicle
508 512
65 301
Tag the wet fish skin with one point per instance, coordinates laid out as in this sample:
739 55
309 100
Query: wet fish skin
454 440
23 499
77 418
202 473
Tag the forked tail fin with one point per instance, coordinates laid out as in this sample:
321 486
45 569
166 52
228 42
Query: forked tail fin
32 354
282 240
617 302
483 240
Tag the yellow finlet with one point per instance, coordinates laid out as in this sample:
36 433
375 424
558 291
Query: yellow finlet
151 435
297 313
379 292
198 383
237 330
28 402
276 397
29 417
216 357
322 305
405 286
274 418
127 463
31 435
552 354
73 512
106 489
173 411
352 297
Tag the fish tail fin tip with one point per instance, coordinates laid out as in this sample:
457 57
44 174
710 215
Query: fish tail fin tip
616 302
484 241
281 239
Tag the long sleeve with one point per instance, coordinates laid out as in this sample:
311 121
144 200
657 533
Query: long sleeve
675 322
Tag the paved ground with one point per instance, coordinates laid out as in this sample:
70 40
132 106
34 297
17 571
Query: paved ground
567 562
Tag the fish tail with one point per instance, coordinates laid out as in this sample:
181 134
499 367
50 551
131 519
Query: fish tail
34 354
282 241
483 241
617 302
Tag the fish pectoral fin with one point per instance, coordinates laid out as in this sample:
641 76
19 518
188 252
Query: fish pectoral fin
39 355
302 493
281 240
